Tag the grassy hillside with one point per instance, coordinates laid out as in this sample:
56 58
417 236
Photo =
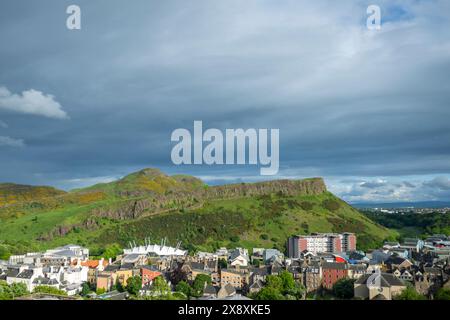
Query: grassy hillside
182 208
11 193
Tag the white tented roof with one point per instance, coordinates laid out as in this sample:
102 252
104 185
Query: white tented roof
156 249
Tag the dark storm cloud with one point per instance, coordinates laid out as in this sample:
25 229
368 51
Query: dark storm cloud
348 101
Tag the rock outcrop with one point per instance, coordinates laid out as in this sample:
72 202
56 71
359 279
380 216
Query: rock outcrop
157 203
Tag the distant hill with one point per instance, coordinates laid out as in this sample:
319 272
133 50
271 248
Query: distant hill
392 205
149 203
11 193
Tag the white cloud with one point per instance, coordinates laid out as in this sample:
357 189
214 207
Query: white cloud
32 102
11 142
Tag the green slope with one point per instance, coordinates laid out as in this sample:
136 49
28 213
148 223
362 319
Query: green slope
11 193
182 208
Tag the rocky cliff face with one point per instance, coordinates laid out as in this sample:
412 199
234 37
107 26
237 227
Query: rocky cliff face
312 186
157 203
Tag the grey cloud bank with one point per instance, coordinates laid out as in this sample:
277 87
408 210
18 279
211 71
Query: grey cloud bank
350 103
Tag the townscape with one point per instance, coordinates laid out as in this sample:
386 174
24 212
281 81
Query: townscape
315 266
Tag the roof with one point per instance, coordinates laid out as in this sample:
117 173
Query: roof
93 263
260 271
237 253
45 281
209 289
228 289
235 271
112 268
386 280
257 285
132 257
126 266
25 274
150 268
12 273
379 297
358 267
334 265
395 260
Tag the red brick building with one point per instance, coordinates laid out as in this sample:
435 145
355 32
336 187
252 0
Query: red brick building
149 273
332 272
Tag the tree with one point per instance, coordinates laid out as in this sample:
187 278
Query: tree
118 286
184 288
269 293
288 282
112 251
8 292
4 253
160 287
274 282
100 291
85 289
222 263
134 285
443 294
409 294
199 284
344 288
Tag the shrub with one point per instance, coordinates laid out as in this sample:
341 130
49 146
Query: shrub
306 205
344 288
331 205
49 290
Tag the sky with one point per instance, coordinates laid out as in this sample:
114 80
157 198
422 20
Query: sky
368 110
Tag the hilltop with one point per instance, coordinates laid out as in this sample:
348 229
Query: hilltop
11 193
152 204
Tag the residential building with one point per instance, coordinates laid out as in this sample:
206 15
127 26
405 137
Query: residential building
237 278
379 286
148 274
313 277
332 272
321 242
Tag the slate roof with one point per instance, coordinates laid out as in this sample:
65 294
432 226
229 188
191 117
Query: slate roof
334 265
387 280
229 289
126 266
260 271
45 281
112 268
25 274
151 268
209 289
395 260
12 273
257 285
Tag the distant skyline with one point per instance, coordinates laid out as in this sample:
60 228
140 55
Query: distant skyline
366 110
